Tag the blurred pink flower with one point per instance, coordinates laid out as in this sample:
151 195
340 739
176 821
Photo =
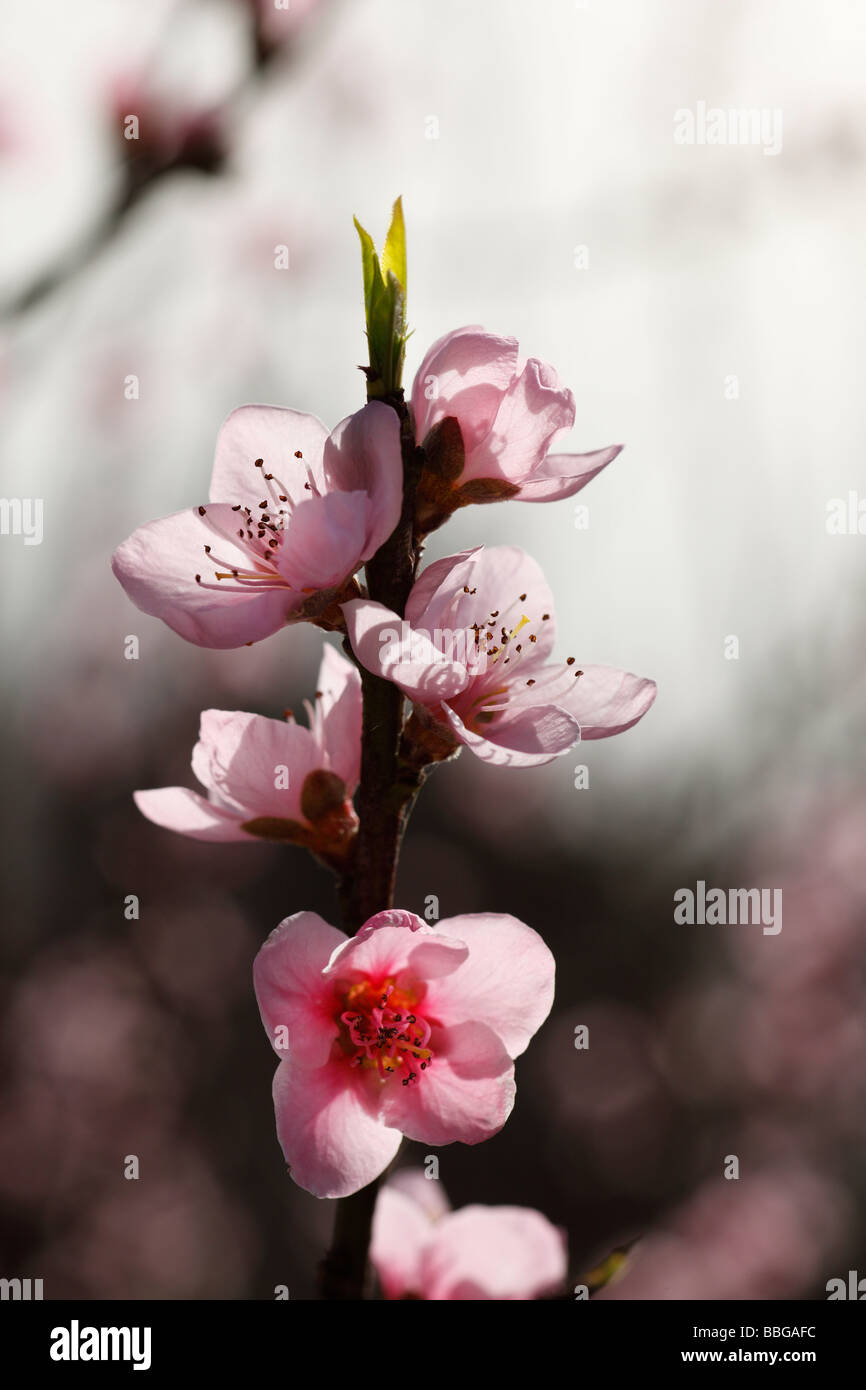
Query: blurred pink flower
402 1029
172 126
280 20
479 1252
294 512
493 689
508 411
761 1237
273 779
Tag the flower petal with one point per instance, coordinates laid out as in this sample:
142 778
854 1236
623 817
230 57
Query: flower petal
563 475
330 1137
500 579
292 991
528 739
157 566
533 410
506 1253
506 980
401 1229
182 810
363 455
323 541
607 701
339 712
421 606
464 374
246 759
394 942
380 640
467 1093
275 435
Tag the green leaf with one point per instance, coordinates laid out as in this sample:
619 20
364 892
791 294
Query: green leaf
385 304
394 250
370 264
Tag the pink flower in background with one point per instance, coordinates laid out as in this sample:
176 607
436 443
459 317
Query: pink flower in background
495 690
279 23
402 1029
294 512
765 1236
421 1249
273 779
508 411
173 126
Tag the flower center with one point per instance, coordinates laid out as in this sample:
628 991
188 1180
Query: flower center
383 1031
494 689
259 532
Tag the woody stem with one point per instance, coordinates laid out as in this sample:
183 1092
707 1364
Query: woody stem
385 796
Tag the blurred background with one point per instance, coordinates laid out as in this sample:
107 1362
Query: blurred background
706 304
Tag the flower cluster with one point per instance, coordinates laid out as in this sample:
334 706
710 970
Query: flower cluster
404 1028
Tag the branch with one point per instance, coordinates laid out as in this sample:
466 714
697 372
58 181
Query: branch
388 785
386 793
203 151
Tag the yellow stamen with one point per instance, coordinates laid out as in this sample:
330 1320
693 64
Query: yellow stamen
513 633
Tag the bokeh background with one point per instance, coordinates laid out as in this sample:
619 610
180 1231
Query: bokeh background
706 305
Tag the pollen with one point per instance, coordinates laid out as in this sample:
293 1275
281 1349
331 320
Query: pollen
382 1033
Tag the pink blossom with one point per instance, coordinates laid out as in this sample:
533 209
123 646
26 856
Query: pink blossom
274 779
473 653
508 410
293 513
281 23
403 1029
420 1249
174 125
765 1236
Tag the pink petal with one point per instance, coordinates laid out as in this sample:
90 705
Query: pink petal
466 373
421 606
506 980
385 645
563 475
292 991
467 1093
607 701
395 943
240 756
273 434
427 1193
340 713
528 739
331 1140
401 1229
482 1253
157 566
496 576
323 541
182 810
363 455
532 412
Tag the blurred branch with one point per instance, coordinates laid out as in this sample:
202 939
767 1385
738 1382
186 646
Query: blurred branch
203 148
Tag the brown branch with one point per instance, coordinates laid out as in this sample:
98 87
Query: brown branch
204 150
388 787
